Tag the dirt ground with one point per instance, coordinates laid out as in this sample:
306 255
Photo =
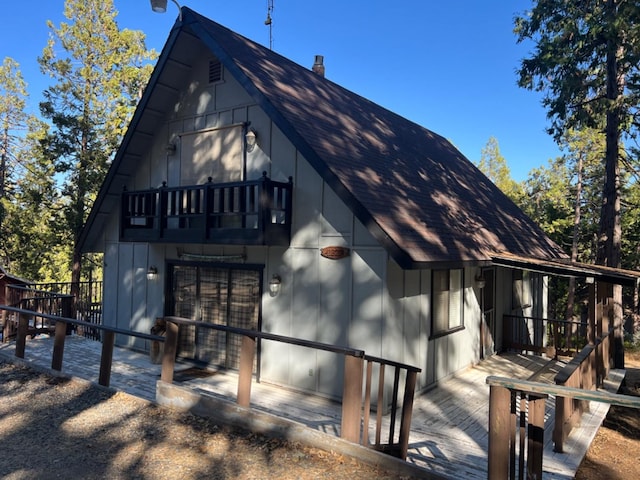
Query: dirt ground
615 451
53 427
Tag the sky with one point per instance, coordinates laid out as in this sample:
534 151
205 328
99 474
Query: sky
448 66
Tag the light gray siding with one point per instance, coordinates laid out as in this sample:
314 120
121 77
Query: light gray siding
364 301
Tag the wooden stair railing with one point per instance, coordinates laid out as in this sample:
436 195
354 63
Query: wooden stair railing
516 423
355 408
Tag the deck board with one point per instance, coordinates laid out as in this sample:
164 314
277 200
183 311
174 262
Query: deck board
448 429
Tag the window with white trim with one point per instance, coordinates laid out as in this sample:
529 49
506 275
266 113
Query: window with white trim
447 301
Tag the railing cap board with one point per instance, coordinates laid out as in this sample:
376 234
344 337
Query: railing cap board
560 391
270 336
105 328
391 363
563 375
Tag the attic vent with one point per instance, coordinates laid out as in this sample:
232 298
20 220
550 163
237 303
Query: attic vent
215 71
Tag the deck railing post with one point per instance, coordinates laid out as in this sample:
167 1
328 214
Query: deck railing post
170 349
246 370
499 422
106 359
352 398
535 435
21 334
58 345
407 410
6 331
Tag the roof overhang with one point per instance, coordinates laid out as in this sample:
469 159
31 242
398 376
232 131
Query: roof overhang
566 268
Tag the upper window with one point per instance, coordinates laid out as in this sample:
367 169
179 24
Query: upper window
447 301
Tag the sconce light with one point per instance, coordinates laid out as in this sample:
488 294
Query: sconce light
251 139
274 284
160 6
152 273
481 282
171 148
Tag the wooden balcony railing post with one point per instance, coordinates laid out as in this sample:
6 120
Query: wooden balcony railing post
352 398
58 345
21 335
499 422
247 351
170 350
106 359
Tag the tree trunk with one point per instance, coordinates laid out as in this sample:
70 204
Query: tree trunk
574 244
610 232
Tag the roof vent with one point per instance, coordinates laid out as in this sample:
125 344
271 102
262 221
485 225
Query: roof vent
215 70
318 65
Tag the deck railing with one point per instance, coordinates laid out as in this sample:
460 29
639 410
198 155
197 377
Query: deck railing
516 423
585 371
253 212
355 406
81 300
551 337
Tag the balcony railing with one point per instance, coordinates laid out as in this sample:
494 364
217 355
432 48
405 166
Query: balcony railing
242 213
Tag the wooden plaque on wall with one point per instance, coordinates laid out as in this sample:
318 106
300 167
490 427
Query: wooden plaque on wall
334 252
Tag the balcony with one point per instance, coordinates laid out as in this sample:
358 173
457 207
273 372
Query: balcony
239 213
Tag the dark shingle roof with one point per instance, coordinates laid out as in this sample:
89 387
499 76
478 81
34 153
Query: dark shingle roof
417 194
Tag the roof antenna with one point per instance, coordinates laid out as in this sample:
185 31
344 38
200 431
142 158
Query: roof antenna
269 22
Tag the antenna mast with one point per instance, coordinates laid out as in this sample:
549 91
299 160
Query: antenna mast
269 22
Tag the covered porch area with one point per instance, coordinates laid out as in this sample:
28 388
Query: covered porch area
449 429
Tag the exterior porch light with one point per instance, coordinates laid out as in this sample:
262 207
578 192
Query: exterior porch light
152 273
275 284
160 6
480 281
251 139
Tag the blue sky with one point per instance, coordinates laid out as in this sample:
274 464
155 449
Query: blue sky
449 66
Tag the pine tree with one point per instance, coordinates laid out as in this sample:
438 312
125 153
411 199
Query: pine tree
495 167
586 60
13 95
99 71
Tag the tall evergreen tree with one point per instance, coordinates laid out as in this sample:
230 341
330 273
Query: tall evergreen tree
586 52
495 167
99 71
34 241
13 95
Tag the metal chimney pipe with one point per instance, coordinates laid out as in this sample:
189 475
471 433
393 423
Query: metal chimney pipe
318 65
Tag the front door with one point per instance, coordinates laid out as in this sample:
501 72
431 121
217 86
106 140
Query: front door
223 295
488 313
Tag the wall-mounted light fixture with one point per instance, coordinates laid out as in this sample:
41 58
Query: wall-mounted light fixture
171 148
152 273
274 284
251 139
160 6
481 282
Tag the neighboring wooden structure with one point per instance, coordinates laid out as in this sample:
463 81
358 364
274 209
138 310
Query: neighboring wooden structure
7 279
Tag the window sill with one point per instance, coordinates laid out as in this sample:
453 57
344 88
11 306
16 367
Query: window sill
446 332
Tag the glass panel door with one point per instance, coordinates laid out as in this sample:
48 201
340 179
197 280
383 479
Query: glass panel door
219 295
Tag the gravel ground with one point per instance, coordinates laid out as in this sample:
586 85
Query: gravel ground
56 427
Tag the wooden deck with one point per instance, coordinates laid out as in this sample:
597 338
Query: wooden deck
449 435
